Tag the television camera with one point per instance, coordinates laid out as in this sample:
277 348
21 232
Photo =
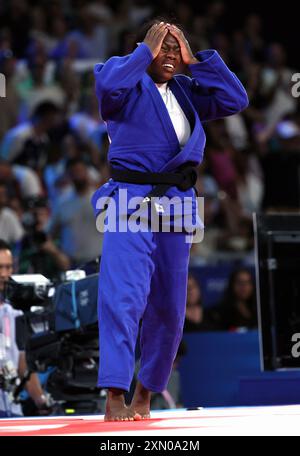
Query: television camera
59 332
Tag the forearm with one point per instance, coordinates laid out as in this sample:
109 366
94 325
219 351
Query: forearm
34 389
61 260
33 385
217 92
120 73
213 74
193 61
117 77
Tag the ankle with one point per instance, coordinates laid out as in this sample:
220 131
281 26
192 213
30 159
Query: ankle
142 389
142 394
116 394
116 391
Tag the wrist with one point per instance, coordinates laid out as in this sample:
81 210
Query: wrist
193 61
50 247
40 401
150 48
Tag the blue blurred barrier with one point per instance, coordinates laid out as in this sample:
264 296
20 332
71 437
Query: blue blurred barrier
223 370
213 365
275 388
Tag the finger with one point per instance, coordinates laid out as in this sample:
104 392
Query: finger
179 35
157 26
178 38
177 32
160 26
153 29
154 26
176 28
162 31
161 34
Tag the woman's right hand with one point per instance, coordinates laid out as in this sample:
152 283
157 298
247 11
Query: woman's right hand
155 37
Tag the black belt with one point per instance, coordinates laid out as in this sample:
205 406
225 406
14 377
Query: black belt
184 179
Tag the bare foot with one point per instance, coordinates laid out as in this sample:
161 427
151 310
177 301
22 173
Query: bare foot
116 409
141 402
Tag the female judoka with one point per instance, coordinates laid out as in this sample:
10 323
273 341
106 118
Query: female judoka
154 119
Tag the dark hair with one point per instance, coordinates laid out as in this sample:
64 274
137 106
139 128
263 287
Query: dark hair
142 32
75 161
36 202
229 293
228 311
5 55
193 277
4 245
44 109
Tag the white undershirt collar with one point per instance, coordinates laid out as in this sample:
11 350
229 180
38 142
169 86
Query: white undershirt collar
178 118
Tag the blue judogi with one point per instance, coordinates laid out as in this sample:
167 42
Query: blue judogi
144 275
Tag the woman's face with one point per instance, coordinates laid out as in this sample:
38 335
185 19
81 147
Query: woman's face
168 61
243 286
193 292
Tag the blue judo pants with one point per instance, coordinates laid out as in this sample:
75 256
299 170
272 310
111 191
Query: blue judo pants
142 276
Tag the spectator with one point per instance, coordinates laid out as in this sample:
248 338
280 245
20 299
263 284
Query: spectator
206 250
286 196
238 307
39 85
12 359
197 318
27 143
10 104
277 88
39 254
72 220
20 180
10 227
56 179
250 185
89 41
16 16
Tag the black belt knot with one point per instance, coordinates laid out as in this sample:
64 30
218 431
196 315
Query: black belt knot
184 179
189 178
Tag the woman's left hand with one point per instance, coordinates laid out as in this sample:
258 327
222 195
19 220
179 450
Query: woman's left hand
186 52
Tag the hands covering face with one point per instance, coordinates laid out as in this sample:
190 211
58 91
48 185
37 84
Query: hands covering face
158 32
155 37
186 52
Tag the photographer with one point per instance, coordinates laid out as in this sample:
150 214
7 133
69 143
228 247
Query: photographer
40 254
12 359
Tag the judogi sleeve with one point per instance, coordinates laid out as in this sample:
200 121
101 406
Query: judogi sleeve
116 77
216 91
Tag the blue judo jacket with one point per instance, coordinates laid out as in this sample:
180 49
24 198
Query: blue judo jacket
139 127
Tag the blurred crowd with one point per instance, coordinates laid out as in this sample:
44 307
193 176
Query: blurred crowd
53 145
